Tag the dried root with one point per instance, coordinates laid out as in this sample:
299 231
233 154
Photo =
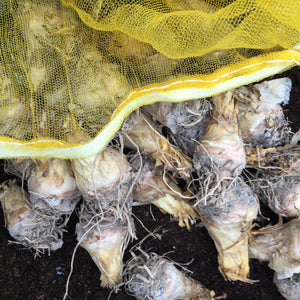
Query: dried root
152 187
105 225
282 159
19 167
105 181
278 178
138 131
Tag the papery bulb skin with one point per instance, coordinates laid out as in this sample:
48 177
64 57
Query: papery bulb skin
284 196
52 185
101 173
187 121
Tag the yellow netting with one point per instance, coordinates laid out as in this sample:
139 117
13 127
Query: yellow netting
77 68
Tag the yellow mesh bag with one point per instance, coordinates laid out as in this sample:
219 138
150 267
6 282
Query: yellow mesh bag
76 68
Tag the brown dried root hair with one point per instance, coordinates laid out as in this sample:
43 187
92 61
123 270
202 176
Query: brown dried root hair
165 154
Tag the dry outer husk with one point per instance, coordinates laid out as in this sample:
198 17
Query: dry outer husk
221 150
52 186
139 132
278 244
281 159
153 277
105 237
28 227
228 219
260 118
151 187
289 288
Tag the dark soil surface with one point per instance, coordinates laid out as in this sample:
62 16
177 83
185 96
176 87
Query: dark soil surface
22 276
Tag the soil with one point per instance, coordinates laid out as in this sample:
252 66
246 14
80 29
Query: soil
23 276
